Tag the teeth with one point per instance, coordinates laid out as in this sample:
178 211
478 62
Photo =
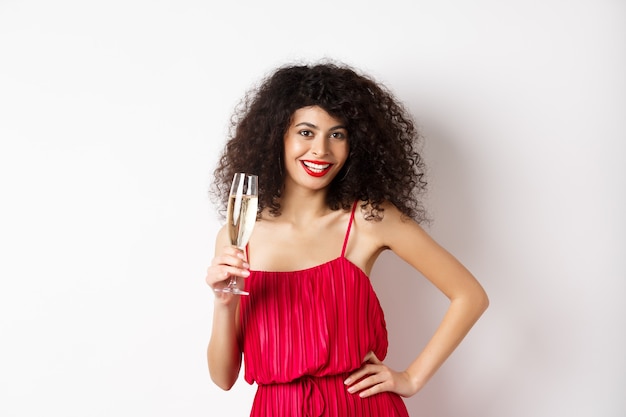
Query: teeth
315 167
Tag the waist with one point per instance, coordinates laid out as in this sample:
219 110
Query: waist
322 396
305 379
306 396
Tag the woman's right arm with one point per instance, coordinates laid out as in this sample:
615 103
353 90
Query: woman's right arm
224 351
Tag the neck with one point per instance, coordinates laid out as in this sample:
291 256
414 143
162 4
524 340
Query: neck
302 206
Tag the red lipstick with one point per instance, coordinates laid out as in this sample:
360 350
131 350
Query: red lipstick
316 168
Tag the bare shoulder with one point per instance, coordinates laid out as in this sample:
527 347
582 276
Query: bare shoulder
222 239
222 234
401 234
376 231
386 222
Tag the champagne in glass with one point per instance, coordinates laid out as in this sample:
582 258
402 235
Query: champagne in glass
241 216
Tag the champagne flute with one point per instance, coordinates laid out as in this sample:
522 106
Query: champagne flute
241 216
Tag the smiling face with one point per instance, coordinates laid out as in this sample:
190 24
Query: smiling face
316 148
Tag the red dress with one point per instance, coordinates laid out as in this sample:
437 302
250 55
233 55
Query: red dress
304 332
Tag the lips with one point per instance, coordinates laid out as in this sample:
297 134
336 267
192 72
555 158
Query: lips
316 168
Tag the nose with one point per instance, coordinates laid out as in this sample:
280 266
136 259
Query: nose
319 146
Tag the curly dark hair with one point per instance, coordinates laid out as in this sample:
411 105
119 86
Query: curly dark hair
383 162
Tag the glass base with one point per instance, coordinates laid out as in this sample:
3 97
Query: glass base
232 290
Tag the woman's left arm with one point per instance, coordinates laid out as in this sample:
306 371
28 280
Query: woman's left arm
468 301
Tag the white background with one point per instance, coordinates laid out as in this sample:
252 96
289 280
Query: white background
111 117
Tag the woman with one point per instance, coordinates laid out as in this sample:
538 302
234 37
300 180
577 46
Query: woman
339 183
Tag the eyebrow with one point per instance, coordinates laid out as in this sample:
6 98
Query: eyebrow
311 125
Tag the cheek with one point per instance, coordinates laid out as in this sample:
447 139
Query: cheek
294 147
342 151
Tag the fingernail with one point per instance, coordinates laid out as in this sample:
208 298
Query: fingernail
240 255
246 265
246 273
347 381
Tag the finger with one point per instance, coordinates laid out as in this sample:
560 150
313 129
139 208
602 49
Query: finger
370 358
376 389
368 385
362 372
234 251
222 273
236 259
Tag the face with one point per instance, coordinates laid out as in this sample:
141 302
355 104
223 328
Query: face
316 147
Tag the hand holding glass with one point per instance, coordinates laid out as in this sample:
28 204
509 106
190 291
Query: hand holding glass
241 216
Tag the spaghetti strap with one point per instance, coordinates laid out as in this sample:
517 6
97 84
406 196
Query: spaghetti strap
345 241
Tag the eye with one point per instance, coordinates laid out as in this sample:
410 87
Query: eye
338 135
306 133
